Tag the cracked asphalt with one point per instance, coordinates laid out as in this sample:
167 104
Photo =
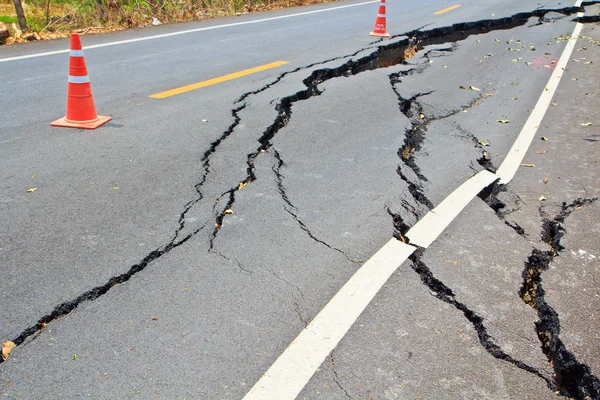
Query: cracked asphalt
178 251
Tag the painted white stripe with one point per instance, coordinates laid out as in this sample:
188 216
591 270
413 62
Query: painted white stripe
79 79
515 156
380 15
424 232
76 53
165 35
290 372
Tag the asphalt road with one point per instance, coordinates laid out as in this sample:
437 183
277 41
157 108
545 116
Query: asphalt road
178 250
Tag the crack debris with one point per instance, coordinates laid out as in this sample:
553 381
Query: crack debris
572 378
444 293
384 56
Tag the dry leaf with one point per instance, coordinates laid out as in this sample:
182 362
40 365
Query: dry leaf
528 165
217 226
474 88
228 211
503 121
514 83
154 318
515 98
115 188
204 120
7 347
586 123
541 152
31 190
488 95
528 63
241 185
544 138
542 198
545 180
462 87
33 176
482 143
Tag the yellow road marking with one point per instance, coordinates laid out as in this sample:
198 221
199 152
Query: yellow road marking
214 81
447 9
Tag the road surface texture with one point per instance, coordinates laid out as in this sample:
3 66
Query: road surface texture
178 250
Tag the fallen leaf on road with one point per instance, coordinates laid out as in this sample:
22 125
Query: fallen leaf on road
586 123
528 63
115 188
74 357
488 95
217 226
541 152
7 347
514 83
554 104
33 176
545 180
474 88
154 318
228 211
515 98
544 138
31 190
542 198
528 165
588 63
482 143
503 121
241 185
204 120
462 87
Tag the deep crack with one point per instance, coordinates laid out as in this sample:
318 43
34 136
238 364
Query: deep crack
444 293
572 378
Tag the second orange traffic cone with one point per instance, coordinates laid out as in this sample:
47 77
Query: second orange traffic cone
81 112
380 26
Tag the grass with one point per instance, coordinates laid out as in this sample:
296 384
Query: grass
8 19
62 16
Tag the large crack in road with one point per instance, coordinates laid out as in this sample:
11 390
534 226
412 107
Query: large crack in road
573 378
382 56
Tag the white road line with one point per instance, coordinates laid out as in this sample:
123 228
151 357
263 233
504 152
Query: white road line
293 369
424 232
515 156
164 35
286 378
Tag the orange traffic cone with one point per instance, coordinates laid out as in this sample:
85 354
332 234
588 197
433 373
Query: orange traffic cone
81 112
380 29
